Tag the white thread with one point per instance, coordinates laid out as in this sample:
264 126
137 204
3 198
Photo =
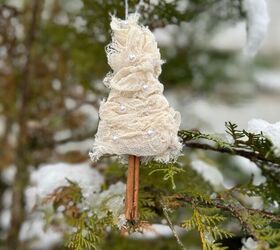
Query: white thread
126 9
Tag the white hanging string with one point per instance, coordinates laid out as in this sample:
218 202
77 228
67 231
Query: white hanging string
126 8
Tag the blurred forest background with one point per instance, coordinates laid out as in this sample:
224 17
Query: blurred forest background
52 63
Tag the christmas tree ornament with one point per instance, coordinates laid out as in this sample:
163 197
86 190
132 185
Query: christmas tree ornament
136 121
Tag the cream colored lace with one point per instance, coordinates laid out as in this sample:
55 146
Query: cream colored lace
136 118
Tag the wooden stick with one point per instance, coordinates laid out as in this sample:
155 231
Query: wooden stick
129 188
136 187
132 188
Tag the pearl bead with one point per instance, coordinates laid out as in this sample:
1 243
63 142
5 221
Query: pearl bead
145 87
122 108
150 132
132 57
115 137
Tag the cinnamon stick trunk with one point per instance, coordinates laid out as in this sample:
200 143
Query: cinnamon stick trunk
132 188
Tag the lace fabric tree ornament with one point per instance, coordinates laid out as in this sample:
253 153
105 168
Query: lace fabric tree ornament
136 119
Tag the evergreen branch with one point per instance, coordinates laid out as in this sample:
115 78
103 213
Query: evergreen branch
188 138
221 204
255 147
237 211
207 226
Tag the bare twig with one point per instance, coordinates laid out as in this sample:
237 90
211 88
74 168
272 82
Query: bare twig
129 189
247 154
136 187
166 215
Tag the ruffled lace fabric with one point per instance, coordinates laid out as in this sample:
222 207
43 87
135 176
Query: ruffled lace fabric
136 118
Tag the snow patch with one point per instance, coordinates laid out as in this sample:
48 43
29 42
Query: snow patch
5 219
250 244
45 238
5 216
49 177
112 199
257 24
250 167
270 131
230 38
268 80
82 146
164 35
209 173
2 125
8 175
62 135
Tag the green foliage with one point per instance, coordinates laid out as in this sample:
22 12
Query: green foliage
147 205
264 230
89 230
84 227
268 190
242 140
248 141
206 223
197 135
168 171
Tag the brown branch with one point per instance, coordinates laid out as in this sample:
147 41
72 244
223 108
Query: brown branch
254 157
219 203
233 151
171 226
235 211
264 214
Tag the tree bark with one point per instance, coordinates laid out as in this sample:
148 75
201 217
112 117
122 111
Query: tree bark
22 155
